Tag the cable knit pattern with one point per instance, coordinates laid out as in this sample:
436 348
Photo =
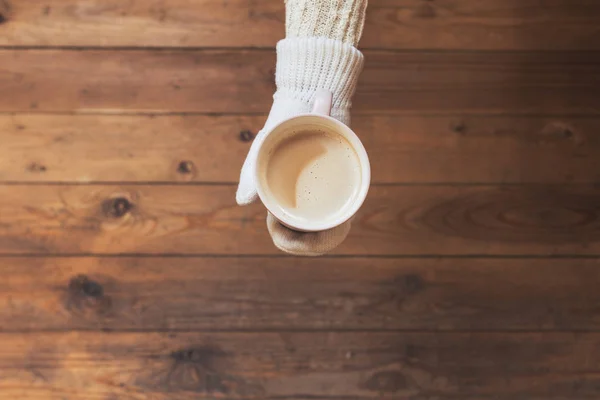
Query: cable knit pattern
341 20
305 65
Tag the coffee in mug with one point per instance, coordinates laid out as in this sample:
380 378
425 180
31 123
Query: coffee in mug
313 174
312 171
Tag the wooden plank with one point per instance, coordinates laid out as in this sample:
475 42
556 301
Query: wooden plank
186 366
240 81
200 294
409 149
482 25
407 24
395 220
210 81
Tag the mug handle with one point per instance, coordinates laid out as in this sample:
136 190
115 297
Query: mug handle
322 104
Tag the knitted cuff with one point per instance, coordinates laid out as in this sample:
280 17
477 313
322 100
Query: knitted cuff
305 65
341 20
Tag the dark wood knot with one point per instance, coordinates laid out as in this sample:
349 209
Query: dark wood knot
408 284
117 207
458 126
83 286
557 130
246 136
185 167
210 367
36 167
2 19
413 283
86 298
205 356
202 369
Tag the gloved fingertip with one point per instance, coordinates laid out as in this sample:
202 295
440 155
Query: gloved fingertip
245 195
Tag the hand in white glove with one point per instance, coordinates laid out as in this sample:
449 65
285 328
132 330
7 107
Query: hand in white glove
305 66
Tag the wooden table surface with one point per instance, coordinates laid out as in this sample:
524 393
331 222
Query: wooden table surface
129 273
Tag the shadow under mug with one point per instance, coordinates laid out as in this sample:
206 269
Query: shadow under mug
318 120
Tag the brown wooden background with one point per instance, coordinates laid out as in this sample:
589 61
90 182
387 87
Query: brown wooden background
128 272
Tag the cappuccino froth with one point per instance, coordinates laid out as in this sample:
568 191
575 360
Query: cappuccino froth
313 174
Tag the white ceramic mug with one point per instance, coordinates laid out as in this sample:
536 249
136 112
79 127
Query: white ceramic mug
318 119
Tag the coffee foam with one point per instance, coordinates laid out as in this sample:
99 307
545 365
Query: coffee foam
313 174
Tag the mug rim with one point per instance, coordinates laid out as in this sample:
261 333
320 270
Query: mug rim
359 200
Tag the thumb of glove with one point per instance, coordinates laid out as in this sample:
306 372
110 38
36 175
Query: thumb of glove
246 191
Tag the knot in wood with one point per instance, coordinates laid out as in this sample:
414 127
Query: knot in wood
185 167
82 285
408 284
458 127
246 136
2 19
557 130
566 132
413 283
205 356
188 356
85 298
117 207
36 167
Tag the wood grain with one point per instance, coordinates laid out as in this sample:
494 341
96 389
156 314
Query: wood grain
409 149
417 365
395 220
129 273
241 81
232 293
404 24
119 81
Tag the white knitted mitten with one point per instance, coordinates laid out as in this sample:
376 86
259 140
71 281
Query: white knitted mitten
304 66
